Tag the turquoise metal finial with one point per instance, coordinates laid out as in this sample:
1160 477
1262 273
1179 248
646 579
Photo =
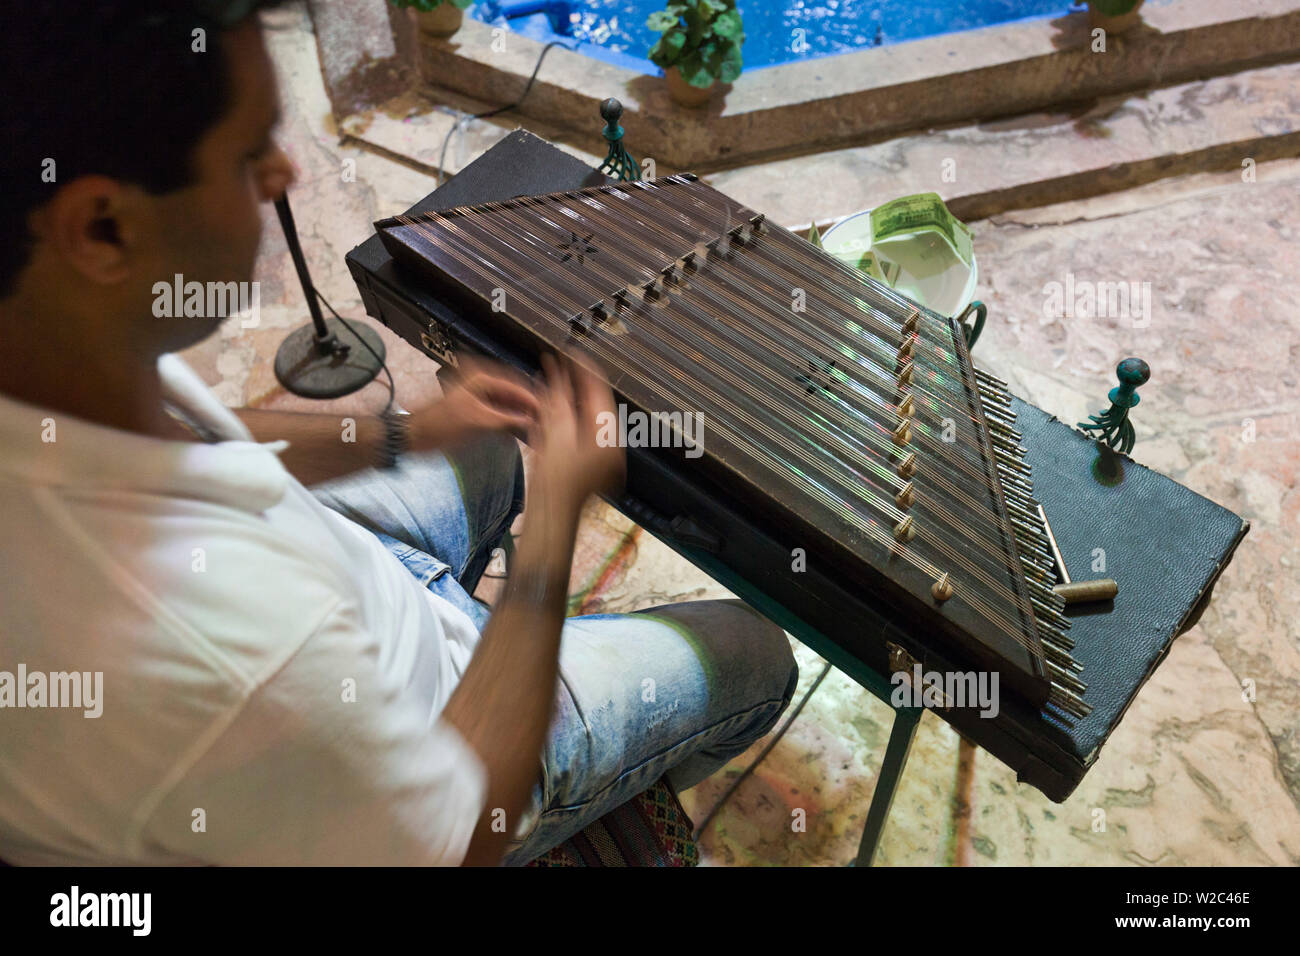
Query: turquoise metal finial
617 161
1113 424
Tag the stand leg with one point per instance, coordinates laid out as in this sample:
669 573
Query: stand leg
891 771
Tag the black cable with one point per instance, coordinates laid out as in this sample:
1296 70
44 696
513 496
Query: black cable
442 156
735 784
392 389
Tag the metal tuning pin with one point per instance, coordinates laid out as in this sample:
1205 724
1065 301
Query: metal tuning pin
1060 658
1070 703
1061 677
1037 547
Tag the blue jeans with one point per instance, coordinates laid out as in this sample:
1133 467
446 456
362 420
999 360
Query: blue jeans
676 690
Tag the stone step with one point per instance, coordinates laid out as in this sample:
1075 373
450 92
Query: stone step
1222 123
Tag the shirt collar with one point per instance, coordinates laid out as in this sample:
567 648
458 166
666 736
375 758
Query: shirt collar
56 449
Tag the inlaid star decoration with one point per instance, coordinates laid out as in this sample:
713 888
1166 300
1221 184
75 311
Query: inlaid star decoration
577 248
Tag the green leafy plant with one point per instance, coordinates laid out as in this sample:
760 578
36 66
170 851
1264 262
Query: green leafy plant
426 6
702 38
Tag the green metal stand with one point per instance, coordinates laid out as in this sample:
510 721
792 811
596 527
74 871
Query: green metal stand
906 719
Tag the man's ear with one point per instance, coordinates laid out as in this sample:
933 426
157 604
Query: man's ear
90 224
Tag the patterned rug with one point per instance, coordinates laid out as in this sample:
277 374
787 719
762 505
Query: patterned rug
651 829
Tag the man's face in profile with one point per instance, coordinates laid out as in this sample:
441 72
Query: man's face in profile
209 231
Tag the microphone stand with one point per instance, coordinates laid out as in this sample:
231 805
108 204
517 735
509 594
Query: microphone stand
326 359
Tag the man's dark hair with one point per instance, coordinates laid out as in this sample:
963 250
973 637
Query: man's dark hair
111 87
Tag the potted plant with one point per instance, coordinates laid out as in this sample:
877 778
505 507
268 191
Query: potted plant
438 18
699 47
1114 16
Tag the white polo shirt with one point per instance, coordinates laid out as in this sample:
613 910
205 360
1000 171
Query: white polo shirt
271 675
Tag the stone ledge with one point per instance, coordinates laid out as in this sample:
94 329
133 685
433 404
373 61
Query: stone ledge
1024 162
833 101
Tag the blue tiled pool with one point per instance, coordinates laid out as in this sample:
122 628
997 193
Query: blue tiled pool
776 31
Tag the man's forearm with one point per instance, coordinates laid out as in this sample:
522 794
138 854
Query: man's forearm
322 447
502 705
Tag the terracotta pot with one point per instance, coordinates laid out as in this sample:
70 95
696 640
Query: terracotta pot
683 93
442 21
1125 21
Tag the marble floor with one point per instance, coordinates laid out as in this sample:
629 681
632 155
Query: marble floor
1199 772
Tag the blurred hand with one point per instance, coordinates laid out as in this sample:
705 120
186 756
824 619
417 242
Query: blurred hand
570 465
483 397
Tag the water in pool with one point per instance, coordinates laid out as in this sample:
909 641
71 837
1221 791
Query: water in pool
616 30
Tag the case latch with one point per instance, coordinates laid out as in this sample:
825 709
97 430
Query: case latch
437 341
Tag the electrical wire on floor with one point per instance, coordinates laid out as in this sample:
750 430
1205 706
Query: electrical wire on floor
464 120
735 784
